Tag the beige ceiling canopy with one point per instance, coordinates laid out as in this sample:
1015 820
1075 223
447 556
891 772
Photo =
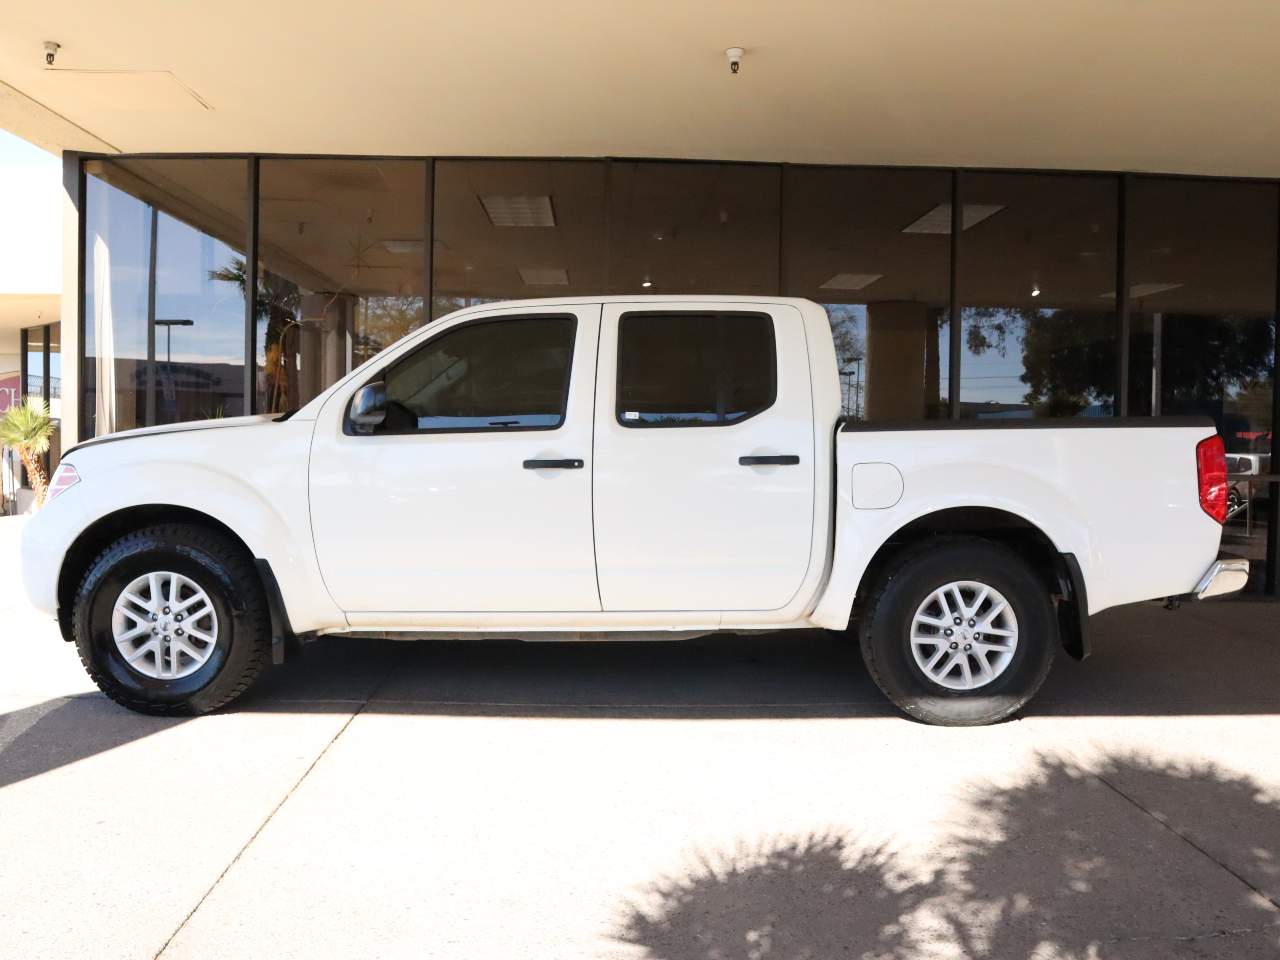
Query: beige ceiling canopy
1176 86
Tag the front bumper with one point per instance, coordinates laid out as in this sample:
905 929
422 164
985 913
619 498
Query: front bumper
1225 575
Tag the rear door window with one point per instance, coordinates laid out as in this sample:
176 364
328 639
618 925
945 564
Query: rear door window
694 369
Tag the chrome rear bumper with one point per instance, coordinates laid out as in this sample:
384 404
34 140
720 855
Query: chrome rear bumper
1225 575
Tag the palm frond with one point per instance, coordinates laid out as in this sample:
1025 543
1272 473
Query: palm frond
27 427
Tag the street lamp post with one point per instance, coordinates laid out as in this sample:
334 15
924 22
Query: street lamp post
170 388
169 325
853 389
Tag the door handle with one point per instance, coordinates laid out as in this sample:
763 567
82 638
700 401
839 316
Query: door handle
553 464
777 460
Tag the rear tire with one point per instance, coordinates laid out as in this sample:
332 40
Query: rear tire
172 620
922 639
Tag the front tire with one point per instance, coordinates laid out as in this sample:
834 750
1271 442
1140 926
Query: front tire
959 632
172 620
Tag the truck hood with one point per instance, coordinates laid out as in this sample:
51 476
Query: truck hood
228 423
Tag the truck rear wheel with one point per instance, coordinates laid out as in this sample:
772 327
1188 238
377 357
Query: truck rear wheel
172 620
959 632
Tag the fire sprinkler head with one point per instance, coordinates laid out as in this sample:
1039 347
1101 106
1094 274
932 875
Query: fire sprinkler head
735 58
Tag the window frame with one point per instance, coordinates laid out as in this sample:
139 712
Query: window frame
380 374
721 316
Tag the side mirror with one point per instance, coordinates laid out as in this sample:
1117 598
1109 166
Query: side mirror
369 407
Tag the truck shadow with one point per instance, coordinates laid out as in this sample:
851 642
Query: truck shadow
1127 858
1210 660
1220 660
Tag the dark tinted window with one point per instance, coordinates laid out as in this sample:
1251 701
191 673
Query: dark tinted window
1037 279
693 228
874 248
682 369
494 375
341 271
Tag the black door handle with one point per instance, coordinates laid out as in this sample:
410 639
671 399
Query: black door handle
553 464
780 460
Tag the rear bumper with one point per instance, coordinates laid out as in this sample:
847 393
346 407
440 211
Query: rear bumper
1225 575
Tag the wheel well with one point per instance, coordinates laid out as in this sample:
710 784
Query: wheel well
97 536
1057 570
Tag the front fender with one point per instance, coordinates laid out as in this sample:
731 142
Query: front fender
263 502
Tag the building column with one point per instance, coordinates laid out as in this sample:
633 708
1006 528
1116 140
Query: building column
897 345
71 298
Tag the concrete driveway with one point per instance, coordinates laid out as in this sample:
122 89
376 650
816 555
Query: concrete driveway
718 799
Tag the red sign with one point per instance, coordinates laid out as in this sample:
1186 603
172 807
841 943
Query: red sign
10 390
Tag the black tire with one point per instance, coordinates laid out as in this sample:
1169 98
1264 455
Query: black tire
886 629
226 573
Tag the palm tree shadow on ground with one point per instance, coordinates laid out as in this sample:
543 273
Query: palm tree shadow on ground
1128 858
809 897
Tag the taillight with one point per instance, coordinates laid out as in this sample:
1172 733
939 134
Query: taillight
1211 466
64 478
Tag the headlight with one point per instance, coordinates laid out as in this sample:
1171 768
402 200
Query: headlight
64 478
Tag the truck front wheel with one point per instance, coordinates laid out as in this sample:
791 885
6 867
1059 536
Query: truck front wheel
959 632
172 620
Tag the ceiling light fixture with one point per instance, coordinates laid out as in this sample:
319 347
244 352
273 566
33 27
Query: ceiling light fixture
1138 290
1035 289
403 247
646 283
851 281
938 220
544 276
521 211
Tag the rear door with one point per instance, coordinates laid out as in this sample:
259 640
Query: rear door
704 459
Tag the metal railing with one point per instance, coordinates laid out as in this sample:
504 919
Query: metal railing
35 386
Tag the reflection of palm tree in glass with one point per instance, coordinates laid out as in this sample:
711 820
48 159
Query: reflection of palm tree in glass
382 321
275 314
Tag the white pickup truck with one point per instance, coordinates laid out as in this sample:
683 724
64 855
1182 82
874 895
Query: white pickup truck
610 467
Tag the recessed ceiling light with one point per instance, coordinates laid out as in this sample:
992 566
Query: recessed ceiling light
1035 289
544 276
938 220
1143 290
1151 289
851 281
405 247
518 211
646 283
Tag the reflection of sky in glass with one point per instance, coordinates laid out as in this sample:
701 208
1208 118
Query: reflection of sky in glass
122 223
993 376
185 290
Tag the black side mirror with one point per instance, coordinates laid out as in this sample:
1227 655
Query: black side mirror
369 407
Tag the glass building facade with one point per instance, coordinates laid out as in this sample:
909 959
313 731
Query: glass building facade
217 286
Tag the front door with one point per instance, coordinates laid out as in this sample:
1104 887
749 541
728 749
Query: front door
475 494
704 458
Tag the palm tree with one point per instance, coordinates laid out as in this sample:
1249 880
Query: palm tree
28 428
